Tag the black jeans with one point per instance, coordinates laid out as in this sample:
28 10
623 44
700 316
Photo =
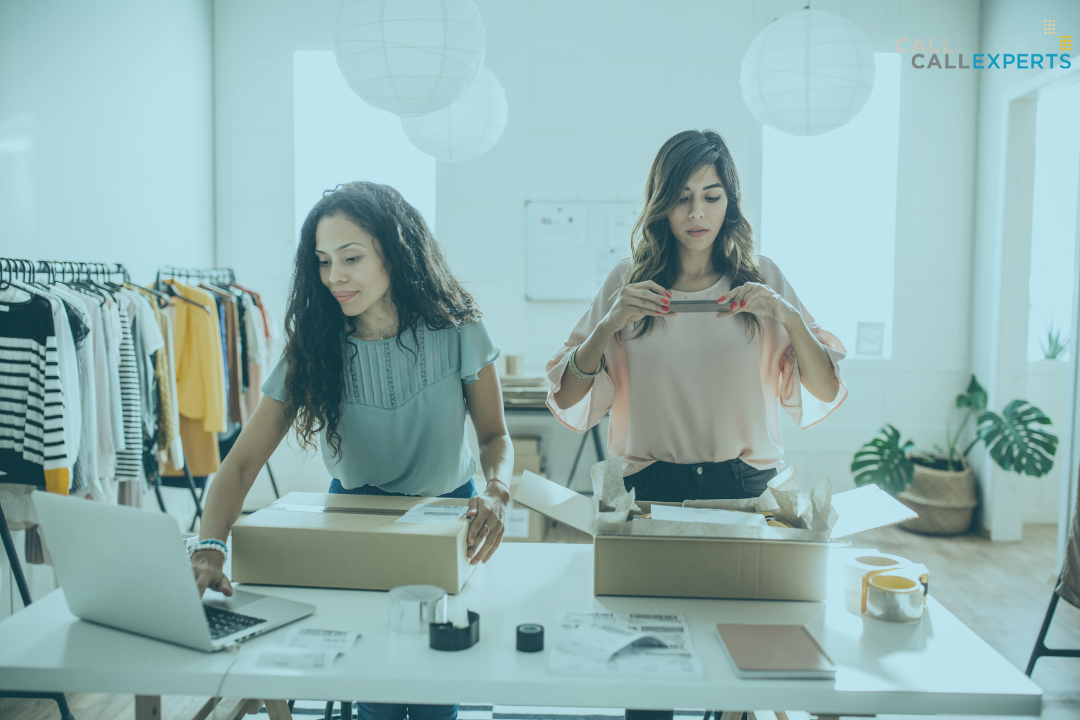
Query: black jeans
669 482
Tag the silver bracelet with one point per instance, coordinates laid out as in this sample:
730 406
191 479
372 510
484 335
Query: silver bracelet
583 375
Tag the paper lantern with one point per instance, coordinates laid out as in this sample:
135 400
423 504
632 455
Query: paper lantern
409 57
808 73
468 128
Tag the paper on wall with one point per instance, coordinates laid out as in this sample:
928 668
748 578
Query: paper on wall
433 514
623 645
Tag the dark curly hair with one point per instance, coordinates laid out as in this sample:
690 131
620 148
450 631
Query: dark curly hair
422 289
655 250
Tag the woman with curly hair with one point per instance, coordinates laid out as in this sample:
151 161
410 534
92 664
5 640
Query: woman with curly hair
384 354
695 397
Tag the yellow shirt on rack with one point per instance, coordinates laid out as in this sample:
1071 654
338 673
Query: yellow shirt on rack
200 386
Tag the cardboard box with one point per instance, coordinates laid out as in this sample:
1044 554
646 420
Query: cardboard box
656 558
522 524
524 462
350 541
525 445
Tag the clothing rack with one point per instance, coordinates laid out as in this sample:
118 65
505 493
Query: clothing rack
59 270
51 271
224 276
220 276
63 271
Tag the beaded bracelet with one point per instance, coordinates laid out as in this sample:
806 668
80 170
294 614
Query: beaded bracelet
215 545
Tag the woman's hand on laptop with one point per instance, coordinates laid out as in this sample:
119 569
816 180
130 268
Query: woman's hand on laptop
207 566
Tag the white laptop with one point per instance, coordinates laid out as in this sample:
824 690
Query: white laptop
127 568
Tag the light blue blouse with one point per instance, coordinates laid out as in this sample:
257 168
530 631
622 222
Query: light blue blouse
402 426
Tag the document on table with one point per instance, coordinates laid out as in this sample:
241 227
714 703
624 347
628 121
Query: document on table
307 649
433 514
707 515
624 645
337 640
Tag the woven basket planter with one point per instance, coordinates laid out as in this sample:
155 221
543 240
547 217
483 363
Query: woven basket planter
945 486
945 501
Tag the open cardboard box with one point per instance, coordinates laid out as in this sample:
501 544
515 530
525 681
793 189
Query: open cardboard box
522 524
658 558
350 541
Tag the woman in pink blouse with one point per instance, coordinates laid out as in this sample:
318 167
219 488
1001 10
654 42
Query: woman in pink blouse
695 397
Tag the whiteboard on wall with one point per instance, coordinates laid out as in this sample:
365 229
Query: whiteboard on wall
571 247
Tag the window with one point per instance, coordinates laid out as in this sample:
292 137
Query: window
1053 221
338 138
828 216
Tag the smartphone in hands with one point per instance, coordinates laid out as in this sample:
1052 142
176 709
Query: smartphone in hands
681 306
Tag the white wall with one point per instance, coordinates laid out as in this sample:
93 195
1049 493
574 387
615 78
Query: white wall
1000 285
594 89
106 142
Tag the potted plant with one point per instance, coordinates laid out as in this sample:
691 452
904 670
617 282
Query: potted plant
1053 347
940 486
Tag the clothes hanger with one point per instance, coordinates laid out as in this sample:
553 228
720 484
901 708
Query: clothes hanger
174 293
161 299
26 268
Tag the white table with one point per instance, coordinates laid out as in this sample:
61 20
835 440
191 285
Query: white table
935 666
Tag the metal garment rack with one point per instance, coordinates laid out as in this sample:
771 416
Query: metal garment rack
593 433
221 276
51 271
1072 560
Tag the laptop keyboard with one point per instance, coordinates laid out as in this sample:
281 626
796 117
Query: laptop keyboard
225 622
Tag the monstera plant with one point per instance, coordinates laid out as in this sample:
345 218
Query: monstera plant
1015 439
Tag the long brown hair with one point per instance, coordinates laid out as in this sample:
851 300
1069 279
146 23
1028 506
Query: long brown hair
655 250
422 289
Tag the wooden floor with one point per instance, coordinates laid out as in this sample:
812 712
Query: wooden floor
1000 590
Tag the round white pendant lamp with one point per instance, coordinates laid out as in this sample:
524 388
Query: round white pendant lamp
466 129
808 73
409 57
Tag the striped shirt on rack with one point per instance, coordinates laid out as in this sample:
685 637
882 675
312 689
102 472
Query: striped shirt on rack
32 447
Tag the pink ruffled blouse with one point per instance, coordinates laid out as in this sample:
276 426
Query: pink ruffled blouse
695 389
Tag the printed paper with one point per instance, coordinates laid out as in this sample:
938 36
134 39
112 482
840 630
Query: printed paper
623 645
706 515
283 658
337 641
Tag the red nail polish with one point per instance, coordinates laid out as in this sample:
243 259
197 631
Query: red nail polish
732 307
721 299
742 304
665 301
668 293
659 313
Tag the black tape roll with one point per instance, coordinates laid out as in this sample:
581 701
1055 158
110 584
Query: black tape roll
530 637
447 636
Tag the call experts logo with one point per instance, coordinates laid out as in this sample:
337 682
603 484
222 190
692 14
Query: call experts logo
1038 57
